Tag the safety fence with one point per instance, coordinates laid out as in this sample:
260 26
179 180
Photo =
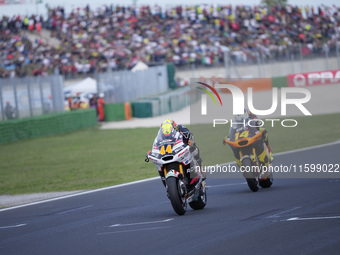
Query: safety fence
51 124
150 106
30 96
124 86
262 62
162 104
326 77
178 99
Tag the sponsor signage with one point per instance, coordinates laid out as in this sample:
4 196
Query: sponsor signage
313 78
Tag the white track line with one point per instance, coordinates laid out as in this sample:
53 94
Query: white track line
132 230
307 148
76 209
225 185
313 218
140 223
80 194
277 215
14 226
151 179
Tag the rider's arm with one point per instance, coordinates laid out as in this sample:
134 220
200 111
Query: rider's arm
185 132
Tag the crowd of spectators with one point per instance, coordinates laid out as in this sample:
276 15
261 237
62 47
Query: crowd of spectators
117 37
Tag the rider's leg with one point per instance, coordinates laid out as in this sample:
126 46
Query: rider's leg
266 141
261 153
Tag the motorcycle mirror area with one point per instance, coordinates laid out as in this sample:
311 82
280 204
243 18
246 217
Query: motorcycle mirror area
147 156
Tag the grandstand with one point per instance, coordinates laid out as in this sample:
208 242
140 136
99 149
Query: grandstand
88 41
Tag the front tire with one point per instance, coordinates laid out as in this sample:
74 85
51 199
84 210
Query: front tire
178 202
252 182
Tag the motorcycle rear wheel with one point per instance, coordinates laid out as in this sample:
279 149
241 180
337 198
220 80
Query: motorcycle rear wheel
178 203
252 182
266 183
201 201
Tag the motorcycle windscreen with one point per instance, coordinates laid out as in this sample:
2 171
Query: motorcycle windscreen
166 136
245 129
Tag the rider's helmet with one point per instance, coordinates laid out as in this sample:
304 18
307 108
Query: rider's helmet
167 126
246 115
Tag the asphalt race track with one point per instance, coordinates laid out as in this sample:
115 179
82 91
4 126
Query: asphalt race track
294 216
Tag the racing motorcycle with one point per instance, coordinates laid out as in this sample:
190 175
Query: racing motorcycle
243 139
177 166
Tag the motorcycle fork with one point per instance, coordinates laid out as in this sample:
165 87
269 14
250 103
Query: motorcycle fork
173 166
252 156
249 153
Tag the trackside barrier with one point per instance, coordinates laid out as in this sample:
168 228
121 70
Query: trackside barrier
279 82
51 124
162 104
258 84
142 109
180 98
114 112
117 112
171 75
128 112
318 78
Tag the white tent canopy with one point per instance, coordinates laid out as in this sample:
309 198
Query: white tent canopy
87 85
140 66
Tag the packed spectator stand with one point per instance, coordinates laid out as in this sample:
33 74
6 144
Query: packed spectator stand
116 37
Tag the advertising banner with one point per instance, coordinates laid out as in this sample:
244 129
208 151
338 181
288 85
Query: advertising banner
314 78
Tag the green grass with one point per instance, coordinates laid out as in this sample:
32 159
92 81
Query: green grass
96 158
81 160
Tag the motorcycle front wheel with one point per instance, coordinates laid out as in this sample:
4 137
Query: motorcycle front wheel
178 201
252 182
